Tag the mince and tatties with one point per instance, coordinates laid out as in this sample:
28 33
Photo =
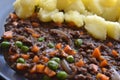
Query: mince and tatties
100 17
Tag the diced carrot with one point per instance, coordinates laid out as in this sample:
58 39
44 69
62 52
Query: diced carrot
69 51
21 38
81 32
103 63
35 49
67 48
40 68
29 30
71 24
36 59
35 35
53 53
101 76
59 24
95 67
20 66
13 16
72 52
49 72
14 57
96 53
25 56
8 35
104 69
109 44
45 59
58 46
35 24
115 53
33 70
80 63
63 54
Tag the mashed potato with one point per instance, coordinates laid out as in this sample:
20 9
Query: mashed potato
101 17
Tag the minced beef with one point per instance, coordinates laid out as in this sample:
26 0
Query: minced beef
28 31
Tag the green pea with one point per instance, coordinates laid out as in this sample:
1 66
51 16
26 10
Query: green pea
78 42
25 48
5 44
70 58
41 39
56 59
46 78
20 60
50 45
19 44
62 75
53 65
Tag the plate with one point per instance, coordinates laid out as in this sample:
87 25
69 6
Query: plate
5 71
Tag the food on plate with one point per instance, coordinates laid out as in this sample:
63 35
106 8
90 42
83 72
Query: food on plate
77 40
